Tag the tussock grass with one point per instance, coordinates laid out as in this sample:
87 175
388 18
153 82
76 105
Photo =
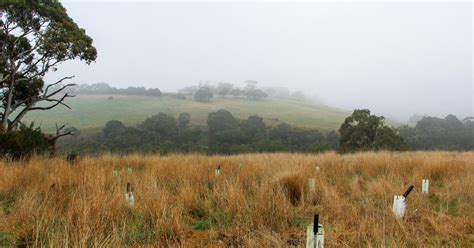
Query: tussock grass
259 200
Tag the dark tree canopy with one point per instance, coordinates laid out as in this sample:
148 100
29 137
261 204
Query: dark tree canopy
23 142
162 124
236 92
204 94
255 94
183 121
362 131
432 133
113 128
224 134
254 128
221 120
36 36
223 89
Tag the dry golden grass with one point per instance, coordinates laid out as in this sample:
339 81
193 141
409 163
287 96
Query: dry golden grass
259 200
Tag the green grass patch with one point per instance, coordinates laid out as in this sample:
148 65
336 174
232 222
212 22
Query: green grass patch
94 111
7 239
202 225
300 222
140 230
6 205
210 220
450 207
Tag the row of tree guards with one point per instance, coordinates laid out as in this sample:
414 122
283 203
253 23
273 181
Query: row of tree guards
399 206
314 231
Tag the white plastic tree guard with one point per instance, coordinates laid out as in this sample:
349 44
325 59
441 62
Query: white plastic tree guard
129 196
315 234
399 207
312 184
425 183
131 199
218 171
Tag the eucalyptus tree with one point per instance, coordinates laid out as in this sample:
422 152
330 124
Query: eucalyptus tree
35 37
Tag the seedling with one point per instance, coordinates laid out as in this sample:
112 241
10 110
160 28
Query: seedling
425 183
114 173
129 196
130 169
218 171
315 234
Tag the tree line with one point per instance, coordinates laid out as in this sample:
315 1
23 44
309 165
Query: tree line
106 89
202 92
206 91
224 134
433 133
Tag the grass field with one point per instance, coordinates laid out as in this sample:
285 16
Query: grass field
95 111
259 200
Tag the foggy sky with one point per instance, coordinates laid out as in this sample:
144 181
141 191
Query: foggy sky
396 59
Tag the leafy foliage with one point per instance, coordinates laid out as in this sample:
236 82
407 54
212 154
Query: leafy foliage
23 142
224 134
223 89
431 133
203 94
362 131
35 36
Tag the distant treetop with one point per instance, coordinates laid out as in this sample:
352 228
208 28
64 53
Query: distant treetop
104 88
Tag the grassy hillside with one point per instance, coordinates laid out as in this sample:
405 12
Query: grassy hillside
95 111
257 201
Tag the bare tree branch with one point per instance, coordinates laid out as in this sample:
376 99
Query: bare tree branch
30 107
53 138
46 97
56 83
60 101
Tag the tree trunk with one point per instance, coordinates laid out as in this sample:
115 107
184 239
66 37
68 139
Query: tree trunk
6 114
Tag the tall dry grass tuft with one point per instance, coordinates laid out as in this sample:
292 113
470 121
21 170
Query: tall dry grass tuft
260 200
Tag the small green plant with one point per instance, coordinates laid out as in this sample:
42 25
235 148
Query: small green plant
6 205
202 225
450 207
299 222
209 220
7 239
139 229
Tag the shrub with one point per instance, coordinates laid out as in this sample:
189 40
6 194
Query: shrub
23 142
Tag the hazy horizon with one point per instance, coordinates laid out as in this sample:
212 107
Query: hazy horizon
396 59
